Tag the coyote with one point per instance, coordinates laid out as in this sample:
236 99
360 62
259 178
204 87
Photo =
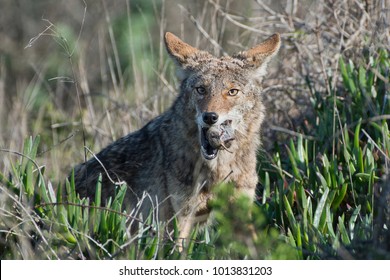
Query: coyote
209 135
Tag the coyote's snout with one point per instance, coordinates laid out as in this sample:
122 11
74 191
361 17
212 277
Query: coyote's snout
210 134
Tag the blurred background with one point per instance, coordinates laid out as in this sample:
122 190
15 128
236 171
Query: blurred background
84 73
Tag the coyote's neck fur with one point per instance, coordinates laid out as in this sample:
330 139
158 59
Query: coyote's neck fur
209 135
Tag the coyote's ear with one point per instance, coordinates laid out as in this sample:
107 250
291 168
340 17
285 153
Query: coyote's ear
259 56
178 50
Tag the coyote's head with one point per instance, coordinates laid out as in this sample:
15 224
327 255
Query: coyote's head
222 92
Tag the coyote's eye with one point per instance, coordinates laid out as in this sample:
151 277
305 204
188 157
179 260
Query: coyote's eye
233 92
201 90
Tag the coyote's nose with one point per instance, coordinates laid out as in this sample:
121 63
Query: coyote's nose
210 117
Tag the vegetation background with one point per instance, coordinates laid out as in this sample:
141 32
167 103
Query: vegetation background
76 75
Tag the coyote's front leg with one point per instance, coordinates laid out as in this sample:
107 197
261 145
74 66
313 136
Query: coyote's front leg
196 213
186 225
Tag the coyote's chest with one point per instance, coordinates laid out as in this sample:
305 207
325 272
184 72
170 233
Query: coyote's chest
207 176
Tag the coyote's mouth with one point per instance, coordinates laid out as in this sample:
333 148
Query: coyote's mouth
209 152
215 138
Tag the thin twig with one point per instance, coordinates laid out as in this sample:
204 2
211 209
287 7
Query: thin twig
32 219
81 29
104 168
293 133
376 145
203 31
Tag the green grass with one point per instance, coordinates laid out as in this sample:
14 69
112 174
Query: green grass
323 196
318 196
